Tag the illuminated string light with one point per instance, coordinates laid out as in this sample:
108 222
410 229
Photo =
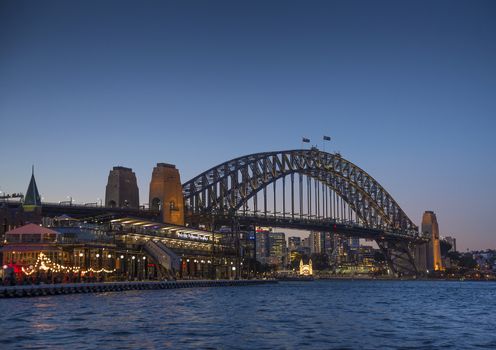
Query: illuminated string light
45 264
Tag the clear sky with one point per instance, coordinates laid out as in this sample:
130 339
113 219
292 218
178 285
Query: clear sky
406 89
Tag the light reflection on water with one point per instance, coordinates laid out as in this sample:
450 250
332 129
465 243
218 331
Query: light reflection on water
317 315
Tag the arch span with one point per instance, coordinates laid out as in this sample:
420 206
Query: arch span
229 186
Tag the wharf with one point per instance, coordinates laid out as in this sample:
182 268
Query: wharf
75 288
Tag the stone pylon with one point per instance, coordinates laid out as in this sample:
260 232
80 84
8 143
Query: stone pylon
166 193
430 228
122 189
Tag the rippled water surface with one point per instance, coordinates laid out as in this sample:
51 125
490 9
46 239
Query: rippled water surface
317 315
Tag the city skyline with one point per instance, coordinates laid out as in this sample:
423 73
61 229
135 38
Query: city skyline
406 94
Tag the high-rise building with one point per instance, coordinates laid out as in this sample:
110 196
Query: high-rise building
430 228
262 243
452 242
315 242
354 243
340 249
277 249
271 246
122 188
328 246
294 243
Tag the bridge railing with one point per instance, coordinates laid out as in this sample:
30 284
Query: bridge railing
93 205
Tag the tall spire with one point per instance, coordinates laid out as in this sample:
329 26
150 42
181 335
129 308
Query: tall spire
32 195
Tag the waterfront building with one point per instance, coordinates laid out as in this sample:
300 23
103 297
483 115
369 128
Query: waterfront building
430 229
122 188
23 244
44 254
64 248
306 269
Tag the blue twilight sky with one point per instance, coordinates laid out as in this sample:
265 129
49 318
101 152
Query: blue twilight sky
406 89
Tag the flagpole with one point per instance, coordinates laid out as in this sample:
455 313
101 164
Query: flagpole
324 139
304 140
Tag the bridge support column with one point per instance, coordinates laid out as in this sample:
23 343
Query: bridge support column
166 193
399 256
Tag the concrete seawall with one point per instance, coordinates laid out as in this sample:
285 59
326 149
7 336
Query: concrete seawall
74 288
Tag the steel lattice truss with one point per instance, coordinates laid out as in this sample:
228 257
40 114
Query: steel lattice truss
228 186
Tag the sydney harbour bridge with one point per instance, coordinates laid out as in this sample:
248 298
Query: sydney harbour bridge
304 189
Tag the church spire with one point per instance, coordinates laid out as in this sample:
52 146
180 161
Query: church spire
32 195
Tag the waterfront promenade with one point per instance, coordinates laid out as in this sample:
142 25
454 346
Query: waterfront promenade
74 288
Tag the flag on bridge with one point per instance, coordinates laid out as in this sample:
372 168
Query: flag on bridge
327 138
305 140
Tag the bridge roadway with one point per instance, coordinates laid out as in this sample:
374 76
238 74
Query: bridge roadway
350 229
78 211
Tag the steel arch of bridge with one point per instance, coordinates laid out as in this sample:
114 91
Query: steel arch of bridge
227 187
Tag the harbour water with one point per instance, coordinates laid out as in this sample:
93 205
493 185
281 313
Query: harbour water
342 314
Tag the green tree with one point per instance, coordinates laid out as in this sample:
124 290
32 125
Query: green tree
295 261
320 261
454 256
467 261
